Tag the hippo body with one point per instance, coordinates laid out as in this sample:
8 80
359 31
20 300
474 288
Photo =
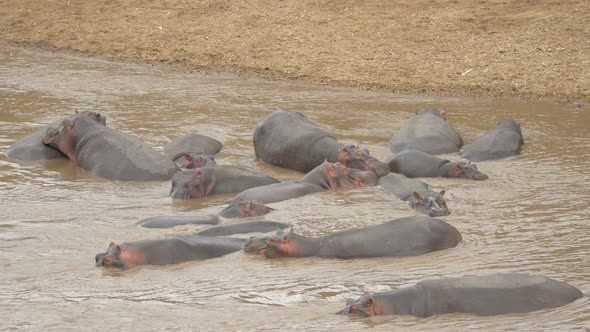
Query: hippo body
109 153
243 227
504 141
192 143
323 177
418 164
288 139
407 236
31 147
496 294
170 250
416 193
204 181
173 221
429 132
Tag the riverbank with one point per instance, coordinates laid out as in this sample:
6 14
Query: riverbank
530 50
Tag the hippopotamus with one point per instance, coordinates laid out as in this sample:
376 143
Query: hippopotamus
244 209
170 250
496 294
408 236
192 143
173 221
323 177
429 132
243 227
417 193
288 139
31 147
204 181
418 164
504 141
109 153
192 160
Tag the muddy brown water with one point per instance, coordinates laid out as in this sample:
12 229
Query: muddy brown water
530 216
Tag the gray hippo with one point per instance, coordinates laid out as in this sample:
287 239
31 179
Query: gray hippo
192 143
238 210
170 250
243 209
418 164
173 221
243 227
409 236
323 177
204 181
192 160
31 147
109 153
429 132
288 139
504 141
496 294
417 193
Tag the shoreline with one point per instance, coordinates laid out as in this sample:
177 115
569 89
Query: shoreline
537 51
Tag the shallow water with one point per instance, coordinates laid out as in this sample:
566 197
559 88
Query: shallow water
530 216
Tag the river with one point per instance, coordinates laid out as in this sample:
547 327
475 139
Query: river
530 216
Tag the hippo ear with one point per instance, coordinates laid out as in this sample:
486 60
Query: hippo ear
118 250
442 192
111 245
187 156
369 304
73 124
416 195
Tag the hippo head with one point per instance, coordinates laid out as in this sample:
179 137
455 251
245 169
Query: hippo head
111 258
343 176
511 125
282 244
101 119
357 158
364 307
190 184
61 137
256 245
192 160
245 209
433 205
466 171
438 112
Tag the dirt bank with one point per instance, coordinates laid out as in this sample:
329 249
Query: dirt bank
526 49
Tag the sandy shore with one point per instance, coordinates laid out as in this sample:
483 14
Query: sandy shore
524 49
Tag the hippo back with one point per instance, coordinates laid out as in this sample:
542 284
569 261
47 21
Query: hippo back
495 294
288 139
192 143
504 141
429 133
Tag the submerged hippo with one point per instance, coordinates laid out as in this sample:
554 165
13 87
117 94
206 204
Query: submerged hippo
288 139
192 143
192 160
243 209
504 141
243 227
204 181
169 250
429 132
173 221
495 294
323 177
407 236
31 147
418 164
417 193
109 153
